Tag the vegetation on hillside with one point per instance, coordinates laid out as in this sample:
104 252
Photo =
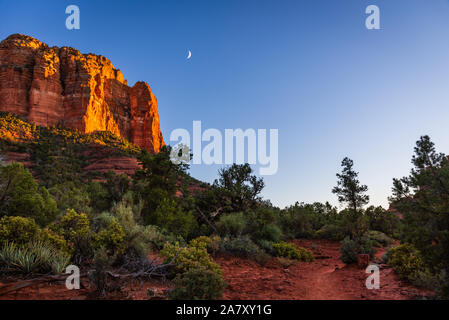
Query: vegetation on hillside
61 216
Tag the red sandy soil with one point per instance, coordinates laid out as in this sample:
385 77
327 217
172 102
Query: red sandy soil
327 278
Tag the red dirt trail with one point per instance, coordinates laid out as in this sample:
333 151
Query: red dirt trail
327 278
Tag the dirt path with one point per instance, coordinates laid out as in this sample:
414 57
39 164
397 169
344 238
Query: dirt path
327 278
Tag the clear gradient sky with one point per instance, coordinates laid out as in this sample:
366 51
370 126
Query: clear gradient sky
309 68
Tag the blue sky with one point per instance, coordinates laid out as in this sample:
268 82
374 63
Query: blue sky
308 68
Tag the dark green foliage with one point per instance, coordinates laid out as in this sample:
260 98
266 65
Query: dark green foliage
352 247
233 224
244 247
303 220
423 200
171 217
98 277
382 220
157 182
331 231
238 188
198 284
378 238
348 189
70 195
20 195
116 186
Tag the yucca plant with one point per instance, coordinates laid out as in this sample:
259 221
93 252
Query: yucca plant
16 259
37 257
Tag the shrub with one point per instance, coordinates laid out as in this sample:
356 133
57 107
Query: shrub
198 284
378 238
188 258
330 231
290 251
21 195
18 230
70 195
269 232
267 246
407 261
159 237
233 224
98 276
348 251
352 247
138 238
201 242
56 241
75 228
171 217
112 238
244 247
37 257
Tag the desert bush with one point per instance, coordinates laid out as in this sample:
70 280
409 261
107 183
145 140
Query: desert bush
75 227
330 231
290 251
198 284
56 241
19 230
36 257
233 224
379 239
112 238
201 242
158 237
171 217
407 261
138 238
244 247
101 262
268 232
186 258
352 247
267 246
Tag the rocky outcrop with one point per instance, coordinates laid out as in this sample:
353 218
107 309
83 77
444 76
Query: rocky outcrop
50 85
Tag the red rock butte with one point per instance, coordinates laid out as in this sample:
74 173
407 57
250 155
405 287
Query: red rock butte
50 86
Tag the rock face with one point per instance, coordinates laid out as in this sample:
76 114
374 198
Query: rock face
50 85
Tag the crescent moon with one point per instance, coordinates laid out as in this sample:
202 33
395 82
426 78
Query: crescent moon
189 55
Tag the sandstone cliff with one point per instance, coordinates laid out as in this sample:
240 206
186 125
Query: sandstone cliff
50 85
